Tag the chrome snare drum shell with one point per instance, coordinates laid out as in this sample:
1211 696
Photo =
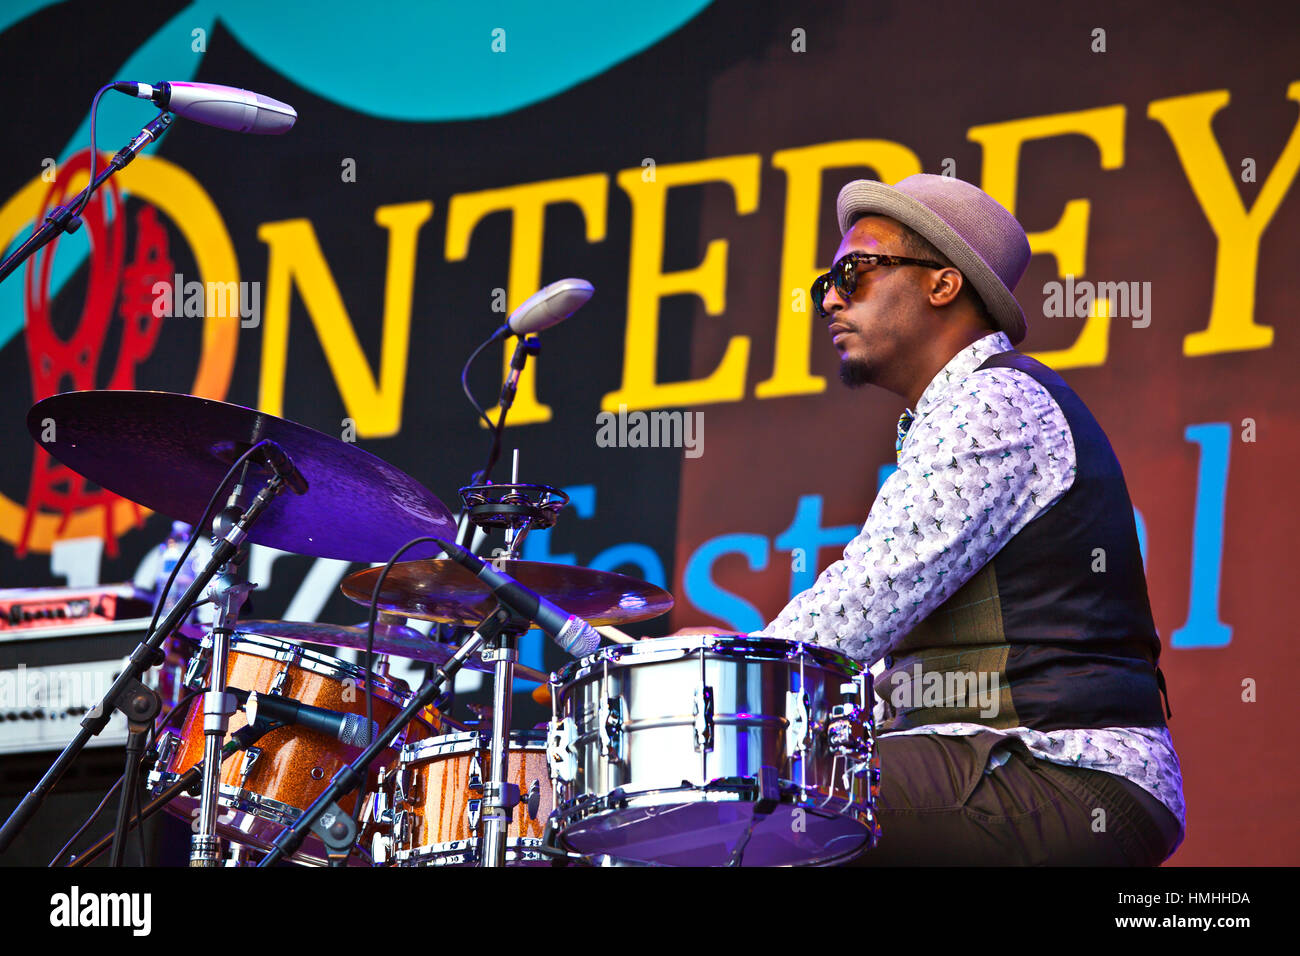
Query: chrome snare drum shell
714 750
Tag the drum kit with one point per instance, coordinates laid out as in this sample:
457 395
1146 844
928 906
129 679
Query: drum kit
702 750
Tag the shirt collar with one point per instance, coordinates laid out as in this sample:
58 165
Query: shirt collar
960 365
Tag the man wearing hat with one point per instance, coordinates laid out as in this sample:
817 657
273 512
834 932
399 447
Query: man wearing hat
998 575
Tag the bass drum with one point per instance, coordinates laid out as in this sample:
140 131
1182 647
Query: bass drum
714 750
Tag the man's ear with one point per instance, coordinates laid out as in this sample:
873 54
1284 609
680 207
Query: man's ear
946 287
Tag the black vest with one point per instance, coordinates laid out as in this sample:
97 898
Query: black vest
1054 641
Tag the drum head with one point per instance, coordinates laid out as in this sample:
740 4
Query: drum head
714 833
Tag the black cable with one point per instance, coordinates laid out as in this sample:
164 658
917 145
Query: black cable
464 380
370 651
89 820
94 149
199 531
139 827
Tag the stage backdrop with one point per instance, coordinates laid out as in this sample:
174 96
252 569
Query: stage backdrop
684 156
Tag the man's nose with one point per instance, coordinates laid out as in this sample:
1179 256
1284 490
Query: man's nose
832 302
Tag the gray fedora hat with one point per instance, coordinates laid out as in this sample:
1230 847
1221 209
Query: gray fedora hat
966 224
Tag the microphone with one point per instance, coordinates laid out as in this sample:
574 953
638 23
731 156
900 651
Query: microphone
550 306
283 466
346 728
225 107
574 635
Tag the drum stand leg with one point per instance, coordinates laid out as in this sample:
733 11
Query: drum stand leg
218 705
500 797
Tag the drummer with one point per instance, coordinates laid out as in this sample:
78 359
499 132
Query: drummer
997 579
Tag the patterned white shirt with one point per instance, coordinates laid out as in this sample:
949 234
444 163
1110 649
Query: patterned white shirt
948 509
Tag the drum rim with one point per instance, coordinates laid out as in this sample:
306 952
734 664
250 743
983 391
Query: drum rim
451 745
315 662
722 646
434 852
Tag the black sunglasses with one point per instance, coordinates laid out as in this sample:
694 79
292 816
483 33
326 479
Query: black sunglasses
845 274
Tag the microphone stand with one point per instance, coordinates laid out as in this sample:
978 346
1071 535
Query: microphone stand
146 655
241 739
62 219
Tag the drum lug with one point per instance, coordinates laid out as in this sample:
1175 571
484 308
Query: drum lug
534 800
472 812
560 738
196 671
381 848
475 773
703 718
401 784
797 731
611 727
246 766
277 685
167 745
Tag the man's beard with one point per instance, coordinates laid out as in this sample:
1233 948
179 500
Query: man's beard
855 372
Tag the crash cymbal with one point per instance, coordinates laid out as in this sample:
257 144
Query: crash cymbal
441 590
396 640
168 452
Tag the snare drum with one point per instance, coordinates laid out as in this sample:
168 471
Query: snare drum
714 750
433 800
265 788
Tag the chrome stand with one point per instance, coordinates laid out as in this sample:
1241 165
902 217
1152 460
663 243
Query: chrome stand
499 796
228 596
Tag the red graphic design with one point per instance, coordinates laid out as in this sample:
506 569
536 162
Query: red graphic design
59 365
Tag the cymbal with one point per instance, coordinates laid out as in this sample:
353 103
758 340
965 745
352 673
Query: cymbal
397 640
441 590
168 452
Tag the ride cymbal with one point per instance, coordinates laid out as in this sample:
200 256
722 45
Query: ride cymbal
168 452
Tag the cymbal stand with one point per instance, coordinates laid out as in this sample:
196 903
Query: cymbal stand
516 508
218 705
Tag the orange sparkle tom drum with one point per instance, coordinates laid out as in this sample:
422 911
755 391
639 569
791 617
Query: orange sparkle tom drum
433 800
265 788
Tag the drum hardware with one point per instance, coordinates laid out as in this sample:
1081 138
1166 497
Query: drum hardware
218 705
703 725
338 832
560 756
246 766
141 705
610 725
